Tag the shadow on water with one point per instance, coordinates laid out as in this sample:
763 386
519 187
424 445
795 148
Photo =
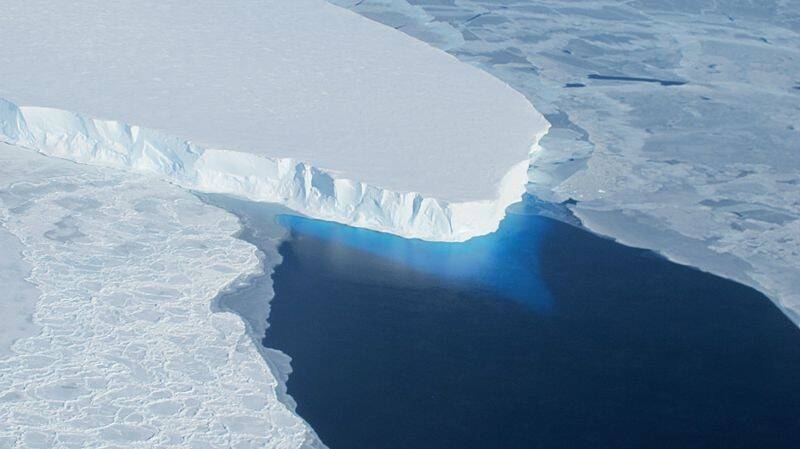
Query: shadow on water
539 336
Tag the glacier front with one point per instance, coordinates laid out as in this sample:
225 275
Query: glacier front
298 102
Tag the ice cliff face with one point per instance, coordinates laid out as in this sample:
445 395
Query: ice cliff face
290 182
298 79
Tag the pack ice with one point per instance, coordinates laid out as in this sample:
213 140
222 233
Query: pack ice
113 341
300 102
675 124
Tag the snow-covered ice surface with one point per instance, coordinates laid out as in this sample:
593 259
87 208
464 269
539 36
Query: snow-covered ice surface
675 123
402 137
130 352
17 297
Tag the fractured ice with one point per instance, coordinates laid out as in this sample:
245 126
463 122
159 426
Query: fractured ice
17 297
676 124
127 351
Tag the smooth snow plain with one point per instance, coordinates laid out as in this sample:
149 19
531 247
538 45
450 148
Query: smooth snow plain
128 350
675 124
344 118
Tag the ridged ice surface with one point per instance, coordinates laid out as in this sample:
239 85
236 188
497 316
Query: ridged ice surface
130 353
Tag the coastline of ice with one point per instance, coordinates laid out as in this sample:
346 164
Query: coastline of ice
675 125
297 185
357 122
130 352
251 297
329 114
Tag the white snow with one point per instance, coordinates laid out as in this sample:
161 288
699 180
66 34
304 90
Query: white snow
130 353
399 122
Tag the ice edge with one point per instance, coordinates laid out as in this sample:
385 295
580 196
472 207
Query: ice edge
297 185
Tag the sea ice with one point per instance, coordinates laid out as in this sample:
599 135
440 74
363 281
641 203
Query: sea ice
17 297
129 352
675 124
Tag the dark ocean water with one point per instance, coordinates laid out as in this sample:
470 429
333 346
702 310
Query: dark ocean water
541 335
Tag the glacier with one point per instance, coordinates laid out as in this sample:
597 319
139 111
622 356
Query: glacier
299 102
286 181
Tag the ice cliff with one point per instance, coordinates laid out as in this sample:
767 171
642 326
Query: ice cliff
333 115
673 128
296 184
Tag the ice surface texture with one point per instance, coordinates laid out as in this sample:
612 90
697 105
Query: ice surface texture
408 128
17 296
675 124
297 185
130 353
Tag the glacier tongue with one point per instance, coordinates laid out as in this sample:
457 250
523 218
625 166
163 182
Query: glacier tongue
296 184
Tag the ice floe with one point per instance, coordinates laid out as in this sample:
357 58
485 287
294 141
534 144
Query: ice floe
675 125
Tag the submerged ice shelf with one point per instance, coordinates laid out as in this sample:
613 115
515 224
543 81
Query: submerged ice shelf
329 113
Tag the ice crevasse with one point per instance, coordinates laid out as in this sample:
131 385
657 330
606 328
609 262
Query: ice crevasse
295 184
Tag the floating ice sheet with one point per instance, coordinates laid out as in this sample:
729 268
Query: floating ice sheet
298 79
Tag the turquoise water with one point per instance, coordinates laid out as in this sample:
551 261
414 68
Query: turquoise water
481 263
538 336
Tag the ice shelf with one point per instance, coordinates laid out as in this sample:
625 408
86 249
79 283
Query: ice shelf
675 125
348 119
